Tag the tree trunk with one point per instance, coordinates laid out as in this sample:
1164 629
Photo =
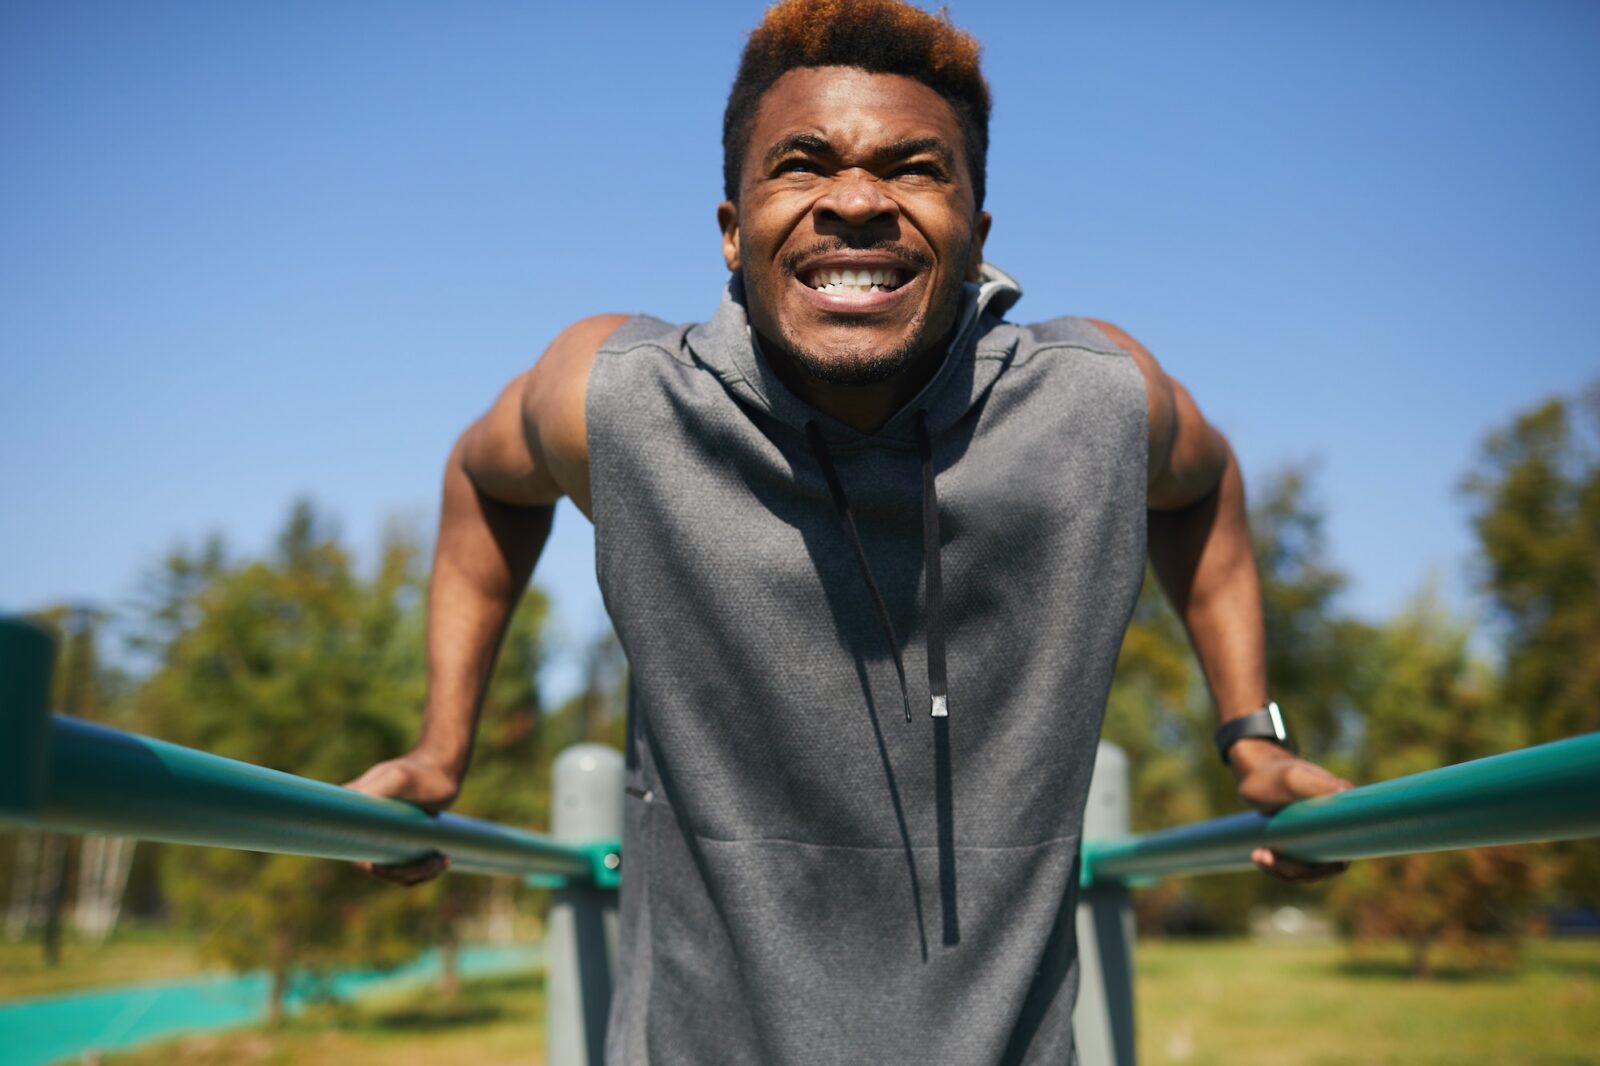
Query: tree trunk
450 966
24 885
117 883
502 911
282 955
103 865
1421 963
55 893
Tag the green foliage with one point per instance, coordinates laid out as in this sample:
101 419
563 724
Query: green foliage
82 683
599 712
1536 496
510 777
509 780
1536 508
1432 706
1160 714
298 663
1314 652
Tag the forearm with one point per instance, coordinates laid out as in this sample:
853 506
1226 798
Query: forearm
1203 559
484 557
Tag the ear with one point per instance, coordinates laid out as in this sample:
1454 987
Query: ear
728 223
980 233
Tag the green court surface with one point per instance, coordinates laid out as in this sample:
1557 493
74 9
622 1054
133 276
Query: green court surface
44 1029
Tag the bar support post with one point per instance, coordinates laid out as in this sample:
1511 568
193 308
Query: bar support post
1102 1021
581 937
27 656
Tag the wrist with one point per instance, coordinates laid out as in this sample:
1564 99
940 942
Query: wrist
1251 753
448 760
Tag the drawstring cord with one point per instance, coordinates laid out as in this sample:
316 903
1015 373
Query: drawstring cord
937 686
937 690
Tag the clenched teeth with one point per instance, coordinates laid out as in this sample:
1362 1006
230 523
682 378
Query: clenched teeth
827 279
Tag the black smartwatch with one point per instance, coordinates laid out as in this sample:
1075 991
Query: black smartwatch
1265 724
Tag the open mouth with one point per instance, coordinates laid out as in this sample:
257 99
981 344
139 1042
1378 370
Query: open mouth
840 282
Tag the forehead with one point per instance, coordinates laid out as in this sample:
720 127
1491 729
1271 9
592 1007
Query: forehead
852 109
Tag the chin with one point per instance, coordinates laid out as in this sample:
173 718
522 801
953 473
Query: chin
853 360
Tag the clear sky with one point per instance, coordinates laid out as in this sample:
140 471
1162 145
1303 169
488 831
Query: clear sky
253 251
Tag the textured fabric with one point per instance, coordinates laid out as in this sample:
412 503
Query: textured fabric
807 877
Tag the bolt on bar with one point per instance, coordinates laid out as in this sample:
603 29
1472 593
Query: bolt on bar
1548 792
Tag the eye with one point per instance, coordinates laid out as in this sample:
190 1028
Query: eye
919 170
797 166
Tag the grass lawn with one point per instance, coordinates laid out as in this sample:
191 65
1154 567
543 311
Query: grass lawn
1200 1002
1242 1003
131 955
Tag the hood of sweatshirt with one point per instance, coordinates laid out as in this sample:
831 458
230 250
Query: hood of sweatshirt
728 347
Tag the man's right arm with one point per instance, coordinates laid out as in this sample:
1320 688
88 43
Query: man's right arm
501 484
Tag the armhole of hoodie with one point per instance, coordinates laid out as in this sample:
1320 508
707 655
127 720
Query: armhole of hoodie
612 382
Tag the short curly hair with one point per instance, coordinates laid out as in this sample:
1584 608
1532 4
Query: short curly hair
879 36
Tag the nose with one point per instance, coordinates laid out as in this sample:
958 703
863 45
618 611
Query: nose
855 199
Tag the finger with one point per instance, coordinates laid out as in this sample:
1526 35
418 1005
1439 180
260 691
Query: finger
1293 870
372 781
408 873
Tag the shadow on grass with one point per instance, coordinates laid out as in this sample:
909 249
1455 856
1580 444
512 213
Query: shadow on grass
481 1001
1493 965
1569 968
432 1017
1391 970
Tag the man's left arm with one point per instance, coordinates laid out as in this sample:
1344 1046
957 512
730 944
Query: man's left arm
1199 544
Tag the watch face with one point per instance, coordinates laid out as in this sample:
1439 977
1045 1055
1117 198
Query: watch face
1277 721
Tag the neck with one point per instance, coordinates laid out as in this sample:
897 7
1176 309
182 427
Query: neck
864 408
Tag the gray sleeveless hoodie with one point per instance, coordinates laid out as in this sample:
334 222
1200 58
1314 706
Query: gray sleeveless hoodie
808 877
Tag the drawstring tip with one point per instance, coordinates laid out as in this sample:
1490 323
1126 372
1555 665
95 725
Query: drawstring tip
941 709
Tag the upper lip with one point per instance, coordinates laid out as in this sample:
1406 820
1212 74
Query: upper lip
857 261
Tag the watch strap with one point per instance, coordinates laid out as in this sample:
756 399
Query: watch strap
1265 724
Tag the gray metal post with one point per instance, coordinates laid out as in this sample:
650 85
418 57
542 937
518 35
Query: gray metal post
1103 1019
581 938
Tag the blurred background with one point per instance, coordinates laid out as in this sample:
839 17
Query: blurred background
261 263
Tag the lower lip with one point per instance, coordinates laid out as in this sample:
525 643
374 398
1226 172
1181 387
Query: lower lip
854 303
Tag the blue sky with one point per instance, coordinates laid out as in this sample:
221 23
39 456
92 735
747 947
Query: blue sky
254 251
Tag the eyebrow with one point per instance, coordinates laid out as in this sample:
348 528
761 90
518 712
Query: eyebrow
811 144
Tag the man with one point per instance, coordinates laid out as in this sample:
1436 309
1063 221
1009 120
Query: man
871 550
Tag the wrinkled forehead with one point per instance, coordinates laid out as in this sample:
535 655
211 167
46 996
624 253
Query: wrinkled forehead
854 110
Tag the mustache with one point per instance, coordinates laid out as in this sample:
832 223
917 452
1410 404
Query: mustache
792 262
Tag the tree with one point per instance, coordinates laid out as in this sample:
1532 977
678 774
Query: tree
297 663
83 686
1160 714
1314 650
1432 705
1535 495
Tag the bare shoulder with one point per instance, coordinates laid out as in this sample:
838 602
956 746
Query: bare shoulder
1187 454
552 403
554 389
529 449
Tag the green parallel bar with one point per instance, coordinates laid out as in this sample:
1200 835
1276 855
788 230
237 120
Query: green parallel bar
1549 792
101 780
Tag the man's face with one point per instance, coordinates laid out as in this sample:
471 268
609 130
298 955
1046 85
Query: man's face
856 224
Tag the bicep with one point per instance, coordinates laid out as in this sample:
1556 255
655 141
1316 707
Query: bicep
500 458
